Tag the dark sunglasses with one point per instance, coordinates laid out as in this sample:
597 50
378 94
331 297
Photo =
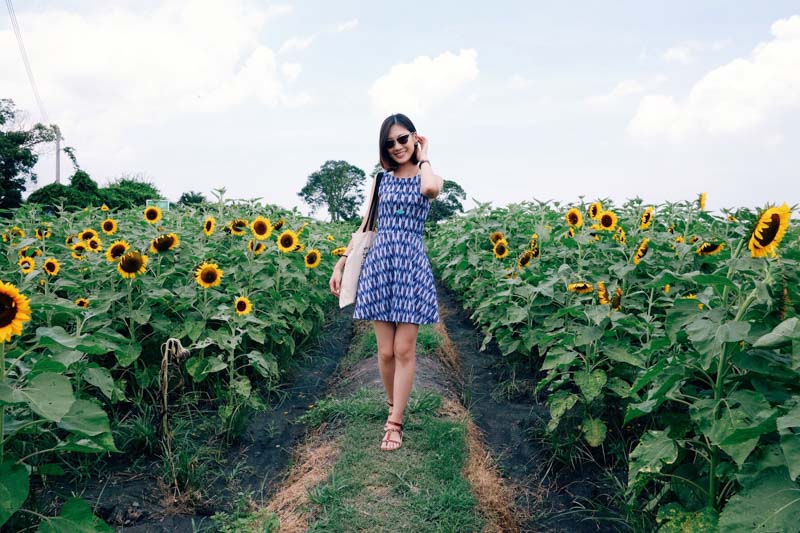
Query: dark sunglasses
402 139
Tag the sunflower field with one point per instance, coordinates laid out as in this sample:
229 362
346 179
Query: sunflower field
104 313
666 338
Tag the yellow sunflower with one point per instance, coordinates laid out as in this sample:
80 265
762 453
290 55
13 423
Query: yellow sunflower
620 236
302 229
574 218
287 241
330 237
594 210
732 218
116 250
71 239
666 288
581 287
339 251
243 306
78 249
208 225
313 258
300 247
94 245
51 266
82 302
500 249
602 293
701 202
43 233
694 239
109 226
769 231
709 248
15 310
87 234
208 275
27 265
26 251
641 251
616 301
238 225
525 259
163 243
256 247
647 218
279 224
496 236
16 231
607 220
104 207
534 241
261 228
152 214
679 239
571 231
132 264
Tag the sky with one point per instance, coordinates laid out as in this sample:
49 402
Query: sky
520 100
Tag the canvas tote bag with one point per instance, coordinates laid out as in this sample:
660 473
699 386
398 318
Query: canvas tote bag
362 242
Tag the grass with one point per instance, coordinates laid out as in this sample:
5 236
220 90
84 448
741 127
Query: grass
416 488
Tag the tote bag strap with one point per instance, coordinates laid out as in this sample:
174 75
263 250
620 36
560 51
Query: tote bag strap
372 215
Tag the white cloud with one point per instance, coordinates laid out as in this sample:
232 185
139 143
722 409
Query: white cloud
622 90
297 44
291 71
413 88
347 26
733 98
519 82
686 52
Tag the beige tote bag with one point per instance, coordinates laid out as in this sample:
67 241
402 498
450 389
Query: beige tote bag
362 242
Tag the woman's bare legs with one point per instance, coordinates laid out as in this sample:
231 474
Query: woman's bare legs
384 333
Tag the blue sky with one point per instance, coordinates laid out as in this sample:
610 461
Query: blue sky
660 100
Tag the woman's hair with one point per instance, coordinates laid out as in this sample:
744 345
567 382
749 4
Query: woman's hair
387 161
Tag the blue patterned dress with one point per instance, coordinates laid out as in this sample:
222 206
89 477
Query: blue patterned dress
396 280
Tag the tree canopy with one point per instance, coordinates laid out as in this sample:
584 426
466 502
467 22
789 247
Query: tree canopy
337 185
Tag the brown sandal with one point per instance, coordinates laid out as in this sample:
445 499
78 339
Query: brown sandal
388 429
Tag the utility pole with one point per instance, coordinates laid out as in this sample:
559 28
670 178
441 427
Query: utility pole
58 153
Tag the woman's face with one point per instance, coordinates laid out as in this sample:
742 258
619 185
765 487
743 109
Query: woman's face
401 153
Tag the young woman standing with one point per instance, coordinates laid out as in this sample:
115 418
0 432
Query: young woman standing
396 288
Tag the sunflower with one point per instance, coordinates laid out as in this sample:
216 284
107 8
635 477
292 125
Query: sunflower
534 241
5 237
132 264
496 236
339 251
671 229
641 251
313 258
594 210
694 239
152 214
607 220
43 233
237 226
693 297
26 251
109 226
666 288
279 224
14 311
299 248
571 231
647 218
27 264
163 243
16 231
302 229
330 237
116 250
617 299
620 236
580 287
82 302
287 241
95 245
256 247
701 202
208 275
78 249
208 226
71 239
602 293
525 259
51 266
574 218
87 234
535 252
710 248
261 228
243 306
500 249
104 207
769 231
679 239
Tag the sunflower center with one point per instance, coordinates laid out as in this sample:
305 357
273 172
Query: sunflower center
151 214
573 219
164 243
241 305
117 250
108 226
607 221
8 310
770 231
131 263
260 228
209 275
51 267
208 225
287 241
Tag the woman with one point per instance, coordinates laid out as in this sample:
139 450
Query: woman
395 288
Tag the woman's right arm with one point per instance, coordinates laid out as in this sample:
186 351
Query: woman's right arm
343 258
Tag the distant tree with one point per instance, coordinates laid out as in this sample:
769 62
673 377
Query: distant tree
191 198
55 194
17 156
337 185
129 190
448 203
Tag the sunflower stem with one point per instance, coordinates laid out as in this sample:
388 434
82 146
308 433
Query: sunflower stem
2 407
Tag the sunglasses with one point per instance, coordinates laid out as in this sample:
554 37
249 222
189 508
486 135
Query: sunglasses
402 139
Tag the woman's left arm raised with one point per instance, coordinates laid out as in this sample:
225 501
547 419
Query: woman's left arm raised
431 185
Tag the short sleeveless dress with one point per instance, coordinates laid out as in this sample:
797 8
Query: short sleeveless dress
396 280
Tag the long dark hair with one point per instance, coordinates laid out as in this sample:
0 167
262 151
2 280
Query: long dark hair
387 161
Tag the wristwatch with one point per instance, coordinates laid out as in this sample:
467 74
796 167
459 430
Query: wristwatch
423 161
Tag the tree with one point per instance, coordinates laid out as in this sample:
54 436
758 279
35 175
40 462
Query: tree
191 198
448 203
129 190
337 184
17 157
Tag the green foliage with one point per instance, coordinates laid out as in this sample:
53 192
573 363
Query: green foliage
448 203
337 185
191 198
129 191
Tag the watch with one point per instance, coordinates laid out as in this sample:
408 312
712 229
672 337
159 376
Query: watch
423 161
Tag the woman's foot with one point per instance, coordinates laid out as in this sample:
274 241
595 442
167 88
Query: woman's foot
393 438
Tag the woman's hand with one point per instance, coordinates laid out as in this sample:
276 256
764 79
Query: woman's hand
422 148
335 282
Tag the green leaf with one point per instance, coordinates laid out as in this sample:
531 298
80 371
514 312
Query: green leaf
558 357
675 519
9 395
242 387
785 332
101 378
200 367
590 384
98 444
621 355
14 488
594 430
559 403
732 332
49 395
140 316
264 366
789 428
86 418
76 517
654 451
56 337
770 503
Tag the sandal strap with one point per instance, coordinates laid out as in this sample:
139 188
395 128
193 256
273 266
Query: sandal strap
398 424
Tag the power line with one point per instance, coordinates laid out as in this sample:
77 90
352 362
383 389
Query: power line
25 60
